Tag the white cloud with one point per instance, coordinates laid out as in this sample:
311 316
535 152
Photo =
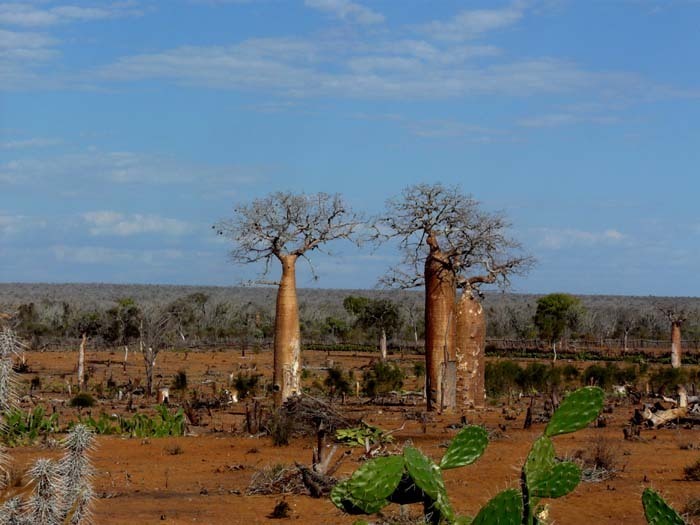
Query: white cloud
79 170
26 46
552 120
26 15
37 142
103 255
114 223
15 224
303 68
347 10
470 24
553 238
9 224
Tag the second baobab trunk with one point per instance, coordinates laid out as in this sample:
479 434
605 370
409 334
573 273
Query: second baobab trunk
287 346
470 343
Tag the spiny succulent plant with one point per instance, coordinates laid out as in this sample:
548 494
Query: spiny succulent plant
44 504
410 477
62 491
657 511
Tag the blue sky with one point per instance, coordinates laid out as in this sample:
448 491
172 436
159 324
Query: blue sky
128 128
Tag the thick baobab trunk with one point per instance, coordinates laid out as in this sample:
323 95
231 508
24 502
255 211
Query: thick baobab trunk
676 344
287 350
440 294
382 345
470 342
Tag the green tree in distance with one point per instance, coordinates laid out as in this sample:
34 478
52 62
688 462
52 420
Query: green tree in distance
556 315
380 315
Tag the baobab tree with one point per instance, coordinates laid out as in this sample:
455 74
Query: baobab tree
677 316
450 243
287 227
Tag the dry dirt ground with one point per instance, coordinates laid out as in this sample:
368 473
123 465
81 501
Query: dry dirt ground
203 478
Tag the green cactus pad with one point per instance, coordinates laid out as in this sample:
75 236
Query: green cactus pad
464 520
376 479
560 480
505 509
657 511
428 477
576 411
546 478
341 498
467 446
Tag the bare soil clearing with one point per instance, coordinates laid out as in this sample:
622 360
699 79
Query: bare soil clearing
203 478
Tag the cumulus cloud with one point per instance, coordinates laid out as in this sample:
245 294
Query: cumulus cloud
553 238
113 223
347 10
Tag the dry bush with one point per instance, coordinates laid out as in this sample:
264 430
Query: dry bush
599 460
692 508
282 510
692 472
276 479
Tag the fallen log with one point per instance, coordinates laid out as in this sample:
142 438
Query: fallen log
661 417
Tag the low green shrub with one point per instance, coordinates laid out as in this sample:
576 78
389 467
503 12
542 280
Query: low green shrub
180 380
24 428
338 382
501 377
382 378
666 378
246 384
163 424
82 400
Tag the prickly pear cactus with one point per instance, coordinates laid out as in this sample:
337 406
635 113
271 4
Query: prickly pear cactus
377 478
657 511
428 477
341 498
576 411
505 509
466 447
547 478
369 487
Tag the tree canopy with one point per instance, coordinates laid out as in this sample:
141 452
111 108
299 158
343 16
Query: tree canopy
556 313
473 244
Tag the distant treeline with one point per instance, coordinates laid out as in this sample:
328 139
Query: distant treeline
56 314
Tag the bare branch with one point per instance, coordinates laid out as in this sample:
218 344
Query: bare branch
450 226
284 223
